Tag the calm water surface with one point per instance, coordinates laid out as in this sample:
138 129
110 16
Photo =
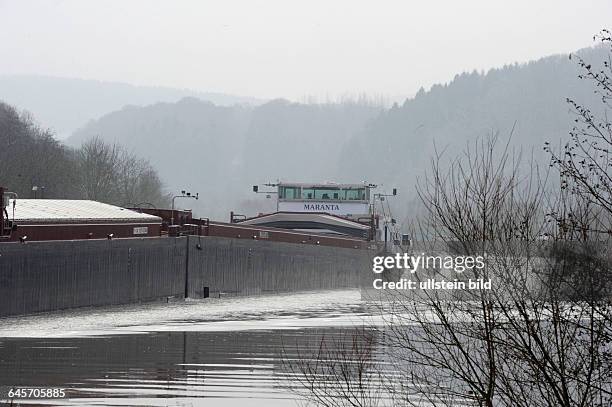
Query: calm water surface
213 352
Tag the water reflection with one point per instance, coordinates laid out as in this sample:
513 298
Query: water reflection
177 365
169 368
180 362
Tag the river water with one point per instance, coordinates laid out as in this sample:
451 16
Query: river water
211 352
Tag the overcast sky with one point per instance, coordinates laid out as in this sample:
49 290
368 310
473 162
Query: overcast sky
288 48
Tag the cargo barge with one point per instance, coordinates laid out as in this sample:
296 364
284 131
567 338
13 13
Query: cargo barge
58 254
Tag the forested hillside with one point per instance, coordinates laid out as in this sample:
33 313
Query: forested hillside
35 165
221 151
526 102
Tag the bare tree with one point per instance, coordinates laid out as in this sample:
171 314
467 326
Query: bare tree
339 371
99 165
524 341
542 335
30 156
110 173
585 162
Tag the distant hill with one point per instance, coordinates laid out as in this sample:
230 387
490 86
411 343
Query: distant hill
220 151
530 98
65 104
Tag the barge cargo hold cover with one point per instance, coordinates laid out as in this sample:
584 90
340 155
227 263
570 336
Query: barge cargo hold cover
65 219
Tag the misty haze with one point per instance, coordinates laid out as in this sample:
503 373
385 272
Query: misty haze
193 193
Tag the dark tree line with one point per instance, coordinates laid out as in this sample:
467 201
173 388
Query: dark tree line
36 165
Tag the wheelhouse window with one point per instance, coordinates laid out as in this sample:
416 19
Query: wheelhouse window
289 193
325 194
356 194
308 193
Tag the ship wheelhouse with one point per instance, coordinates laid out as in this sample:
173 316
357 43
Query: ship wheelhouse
326 192
333 209
350 201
